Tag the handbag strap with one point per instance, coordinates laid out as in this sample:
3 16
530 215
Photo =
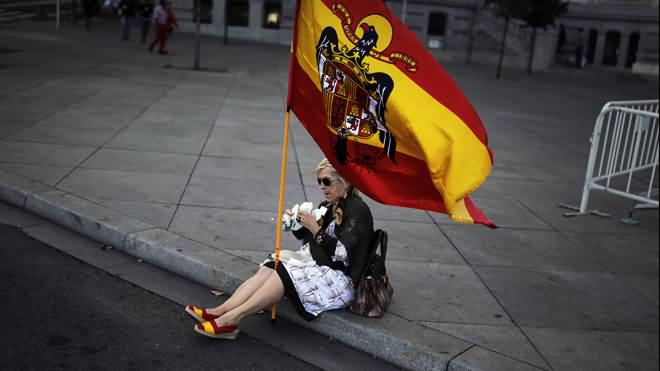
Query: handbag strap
383 245
380 240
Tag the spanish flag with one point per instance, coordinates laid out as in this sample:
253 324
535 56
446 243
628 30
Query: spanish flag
383 111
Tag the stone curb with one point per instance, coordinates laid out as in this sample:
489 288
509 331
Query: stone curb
217 269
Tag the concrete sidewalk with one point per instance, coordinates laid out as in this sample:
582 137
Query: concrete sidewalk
181 169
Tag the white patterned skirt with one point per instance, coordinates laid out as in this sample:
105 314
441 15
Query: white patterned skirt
318 288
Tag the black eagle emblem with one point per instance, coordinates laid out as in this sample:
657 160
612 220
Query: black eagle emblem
354 98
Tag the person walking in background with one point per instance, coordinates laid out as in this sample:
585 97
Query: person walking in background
171 18
126 12
145 12
109 6
161 25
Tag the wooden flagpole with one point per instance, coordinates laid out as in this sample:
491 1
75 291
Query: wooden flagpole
280 202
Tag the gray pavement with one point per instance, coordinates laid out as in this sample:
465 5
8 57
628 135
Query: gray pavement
180 168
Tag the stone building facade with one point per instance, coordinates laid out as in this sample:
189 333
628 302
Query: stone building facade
618 34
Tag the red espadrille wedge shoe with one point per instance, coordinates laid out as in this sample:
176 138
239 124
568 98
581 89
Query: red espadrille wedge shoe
199 314
210 329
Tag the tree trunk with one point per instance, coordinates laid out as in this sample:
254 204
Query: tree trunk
57 15
197 32
468 56
225 37
530 63
404 10
502 48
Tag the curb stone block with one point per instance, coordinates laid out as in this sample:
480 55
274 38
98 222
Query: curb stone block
191 259
359 333
15 189
84 217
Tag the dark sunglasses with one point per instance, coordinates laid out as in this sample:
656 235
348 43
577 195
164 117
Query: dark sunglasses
325 181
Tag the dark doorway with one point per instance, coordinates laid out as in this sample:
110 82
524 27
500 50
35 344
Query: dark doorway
561 40
633 46
611 51
205 11
238 13
591 45
437 24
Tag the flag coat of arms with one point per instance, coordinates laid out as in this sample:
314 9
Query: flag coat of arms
383 111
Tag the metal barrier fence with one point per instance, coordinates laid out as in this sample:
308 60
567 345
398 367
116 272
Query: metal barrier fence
624 155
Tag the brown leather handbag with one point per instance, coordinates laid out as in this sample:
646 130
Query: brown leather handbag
374 291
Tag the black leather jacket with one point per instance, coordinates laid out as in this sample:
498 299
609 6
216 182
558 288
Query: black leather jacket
354 228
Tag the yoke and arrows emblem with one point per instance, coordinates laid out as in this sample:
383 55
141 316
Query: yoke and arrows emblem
355 99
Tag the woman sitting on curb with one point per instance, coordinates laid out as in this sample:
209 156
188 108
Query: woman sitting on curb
320 276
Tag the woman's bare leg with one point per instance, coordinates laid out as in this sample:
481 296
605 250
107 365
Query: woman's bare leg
269 293
243 293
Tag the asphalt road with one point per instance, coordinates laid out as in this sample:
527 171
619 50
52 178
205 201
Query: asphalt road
59 313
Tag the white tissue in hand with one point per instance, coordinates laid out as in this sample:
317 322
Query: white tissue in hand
287 222
294 218
318 213
290 222
306 207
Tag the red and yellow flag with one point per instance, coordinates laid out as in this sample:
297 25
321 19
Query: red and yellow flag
383 111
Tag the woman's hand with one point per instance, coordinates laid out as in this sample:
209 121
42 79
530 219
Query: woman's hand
308 221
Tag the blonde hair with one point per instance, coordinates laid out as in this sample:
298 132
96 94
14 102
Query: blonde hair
325 164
